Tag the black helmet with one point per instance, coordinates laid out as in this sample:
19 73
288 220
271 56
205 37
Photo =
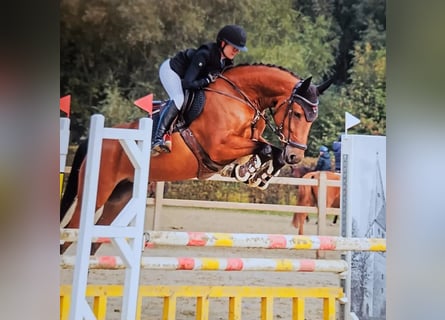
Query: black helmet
233 35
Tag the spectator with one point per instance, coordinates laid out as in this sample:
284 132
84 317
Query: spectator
324 160
336 147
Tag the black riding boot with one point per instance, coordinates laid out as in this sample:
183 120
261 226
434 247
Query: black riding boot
166 118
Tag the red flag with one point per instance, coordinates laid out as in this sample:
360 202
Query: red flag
65 103
145 103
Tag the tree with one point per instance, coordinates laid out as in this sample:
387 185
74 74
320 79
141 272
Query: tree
366 93
111 52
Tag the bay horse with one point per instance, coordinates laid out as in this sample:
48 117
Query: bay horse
225 136
308 196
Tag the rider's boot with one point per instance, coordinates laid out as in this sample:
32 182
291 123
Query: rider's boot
167 116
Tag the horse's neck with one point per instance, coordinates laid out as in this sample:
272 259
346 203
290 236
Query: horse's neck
265 82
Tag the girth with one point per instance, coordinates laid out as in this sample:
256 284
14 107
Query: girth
206 166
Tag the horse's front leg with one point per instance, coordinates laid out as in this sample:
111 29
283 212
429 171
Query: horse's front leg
268 169
243 168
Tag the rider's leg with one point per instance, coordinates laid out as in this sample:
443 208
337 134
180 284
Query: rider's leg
167 116
173 86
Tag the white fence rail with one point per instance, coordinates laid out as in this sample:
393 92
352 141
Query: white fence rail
159 201
321 210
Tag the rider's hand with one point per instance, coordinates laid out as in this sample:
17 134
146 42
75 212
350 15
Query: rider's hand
211 77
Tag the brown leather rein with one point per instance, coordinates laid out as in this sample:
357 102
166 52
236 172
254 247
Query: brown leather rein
278 130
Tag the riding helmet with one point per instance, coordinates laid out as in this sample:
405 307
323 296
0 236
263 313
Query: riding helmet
323 149
233 35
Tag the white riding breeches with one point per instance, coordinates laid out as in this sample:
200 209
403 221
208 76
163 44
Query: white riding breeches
171 83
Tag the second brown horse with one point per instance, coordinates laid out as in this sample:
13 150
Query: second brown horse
308 196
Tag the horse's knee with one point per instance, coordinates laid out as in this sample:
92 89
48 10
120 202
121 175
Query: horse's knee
265 152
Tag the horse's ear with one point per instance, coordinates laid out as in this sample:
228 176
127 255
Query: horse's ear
302 88
322 87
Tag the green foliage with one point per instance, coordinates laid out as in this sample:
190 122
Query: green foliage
111 52
283 36
367 91
231 192
116 109
330 122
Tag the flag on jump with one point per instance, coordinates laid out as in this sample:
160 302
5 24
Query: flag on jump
65 103
145 103
350 121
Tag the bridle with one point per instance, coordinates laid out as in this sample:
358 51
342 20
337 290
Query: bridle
310 110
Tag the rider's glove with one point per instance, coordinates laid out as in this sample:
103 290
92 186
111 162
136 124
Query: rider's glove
211 77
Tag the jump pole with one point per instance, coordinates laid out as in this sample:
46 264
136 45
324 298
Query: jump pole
215 264
126 231
248 240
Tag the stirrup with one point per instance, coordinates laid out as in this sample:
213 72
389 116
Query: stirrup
154 153
161 148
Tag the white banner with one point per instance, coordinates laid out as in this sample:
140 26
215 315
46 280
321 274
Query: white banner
364 215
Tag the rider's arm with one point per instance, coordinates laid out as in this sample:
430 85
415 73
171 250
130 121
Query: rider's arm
196 67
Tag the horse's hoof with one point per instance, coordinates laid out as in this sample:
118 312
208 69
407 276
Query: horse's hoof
263 185
254 182
164 148
241 173
160 148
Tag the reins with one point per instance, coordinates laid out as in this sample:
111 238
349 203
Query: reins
277 130
246 100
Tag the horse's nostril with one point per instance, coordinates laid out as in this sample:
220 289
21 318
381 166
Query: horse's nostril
293 159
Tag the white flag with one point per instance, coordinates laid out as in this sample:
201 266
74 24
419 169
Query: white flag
350 120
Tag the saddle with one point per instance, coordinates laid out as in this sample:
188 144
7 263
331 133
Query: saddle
193 105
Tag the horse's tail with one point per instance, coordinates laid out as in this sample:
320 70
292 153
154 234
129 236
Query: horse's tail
70 192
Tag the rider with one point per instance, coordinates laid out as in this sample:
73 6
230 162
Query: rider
324 160
194 69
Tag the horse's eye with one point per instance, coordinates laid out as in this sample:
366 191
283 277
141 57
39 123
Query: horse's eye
297 114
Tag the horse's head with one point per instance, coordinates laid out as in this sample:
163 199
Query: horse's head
294 118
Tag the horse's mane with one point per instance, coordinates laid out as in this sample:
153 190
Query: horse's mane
262 65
